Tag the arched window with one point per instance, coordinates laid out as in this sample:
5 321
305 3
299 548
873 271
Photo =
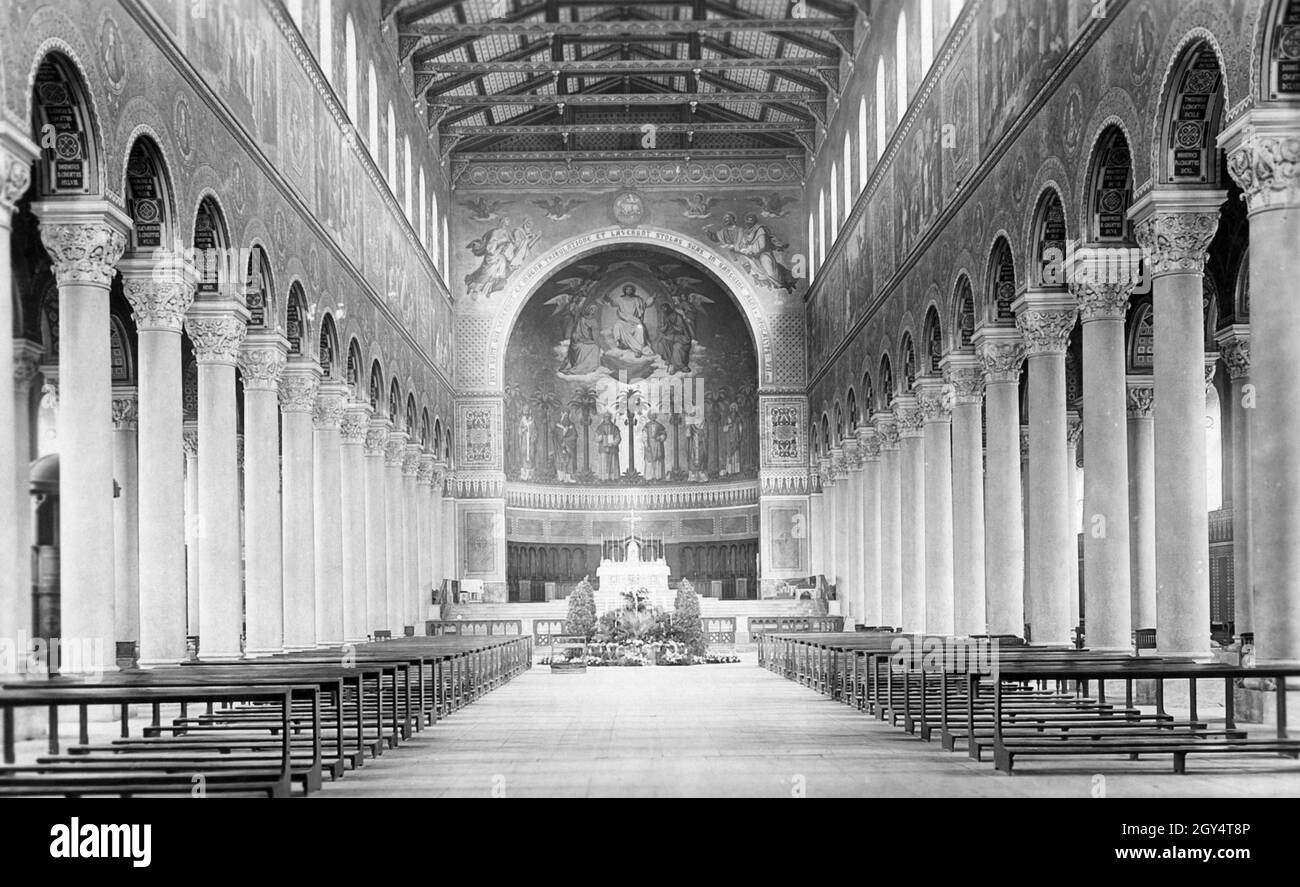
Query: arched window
372 113
848 175
424 209
821 229
392 150
812 244
407 185
900 64
350 67
446 249
880 108
326 57
927 36
433 234
834 225
862 144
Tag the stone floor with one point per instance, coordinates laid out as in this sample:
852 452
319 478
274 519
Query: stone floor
737 730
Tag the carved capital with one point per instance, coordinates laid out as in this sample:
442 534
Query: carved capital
1174 241
1141 397
1234 348
907 417
887 431
377 437
1024 442
1046 330
868 443
159 296
356 423
395 449
299 382
934 399
125 409
1100 300
424 474
1001 360
16 155
27 363
262 362
966 383
217 332
1073 428
1267 168
84 239
331 403
411 460
190 439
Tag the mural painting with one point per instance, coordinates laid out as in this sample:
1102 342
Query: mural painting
631 366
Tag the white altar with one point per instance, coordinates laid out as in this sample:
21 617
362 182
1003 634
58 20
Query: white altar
620 576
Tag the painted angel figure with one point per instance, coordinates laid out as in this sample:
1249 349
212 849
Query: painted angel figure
697 205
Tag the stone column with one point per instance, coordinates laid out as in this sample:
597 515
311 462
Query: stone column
1263 153
424 538
395 530
936 428
1045 319
869 521
965 380
126 514
190 444
1001 354
1142 501
411 529
830 516
912 511
1234 346
16 155
84 240
261 364
376 526
327 504
217 330
851 505
437 527
17 614
1174 229
352 488
1073 462
159 298
891 539
816 521
450 532
298 386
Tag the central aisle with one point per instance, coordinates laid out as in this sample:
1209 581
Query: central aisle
716 730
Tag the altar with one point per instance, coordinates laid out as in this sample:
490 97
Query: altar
620 576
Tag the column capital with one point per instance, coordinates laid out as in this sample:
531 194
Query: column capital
427 470
160 294
1073 427
299 381
836 464
356 423
1174 227
217 330
1024 442
852 454
262 359
886 430
126 400
377 436
934 399
907 416
962 376
1141 396
411 459
868 443
823 468
1001 354
395 449
440 473
1234 348
27 362
331 402
85 239
1263 149
16 155
1100 299
1211 365
190 437
1045 320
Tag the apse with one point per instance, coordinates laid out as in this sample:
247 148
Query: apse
631 366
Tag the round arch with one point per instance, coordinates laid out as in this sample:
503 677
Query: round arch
731 278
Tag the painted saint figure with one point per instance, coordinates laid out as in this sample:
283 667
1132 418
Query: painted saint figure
733 435
654 436
583 356
697 451
566 450
526 441
608 441
758 247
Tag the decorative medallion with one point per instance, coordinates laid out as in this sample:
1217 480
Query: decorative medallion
629 209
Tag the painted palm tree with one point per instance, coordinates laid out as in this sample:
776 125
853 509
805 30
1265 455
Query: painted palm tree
546 403
585 400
